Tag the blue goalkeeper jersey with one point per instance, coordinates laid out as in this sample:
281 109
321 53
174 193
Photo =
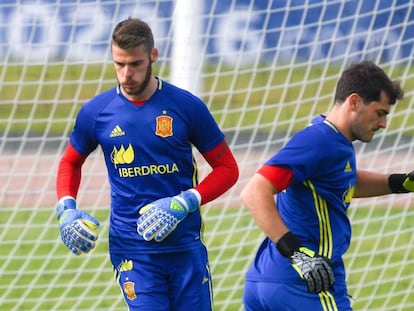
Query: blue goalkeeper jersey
314 207
148 155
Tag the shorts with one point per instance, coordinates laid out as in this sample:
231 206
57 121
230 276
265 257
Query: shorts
165 281
266 296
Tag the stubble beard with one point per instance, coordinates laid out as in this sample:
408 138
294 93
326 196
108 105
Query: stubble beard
136 93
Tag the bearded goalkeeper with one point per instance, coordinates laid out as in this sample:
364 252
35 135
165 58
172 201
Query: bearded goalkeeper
299 265
146 128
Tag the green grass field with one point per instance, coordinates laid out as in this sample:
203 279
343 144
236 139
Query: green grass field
78 283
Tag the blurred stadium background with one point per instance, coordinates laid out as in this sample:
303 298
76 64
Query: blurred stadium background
264 68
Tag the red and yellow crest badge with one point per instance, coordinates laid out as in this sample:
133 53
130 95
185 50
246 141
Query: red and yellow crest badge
129 290
163 126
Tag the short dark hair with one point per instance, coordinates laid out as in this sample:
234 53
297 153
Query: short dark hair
131 33
367 80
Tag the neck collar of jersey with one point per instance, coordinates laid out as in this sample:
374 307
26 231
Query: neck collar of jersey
331 125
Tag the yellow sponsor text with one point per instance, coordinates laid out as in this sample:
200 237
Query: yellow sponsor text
145 170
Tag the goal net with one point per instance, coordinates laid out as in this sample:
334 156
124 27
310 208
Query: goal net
264 69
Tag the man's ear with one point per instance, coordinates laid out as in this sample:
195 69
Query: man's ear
354 101
154 55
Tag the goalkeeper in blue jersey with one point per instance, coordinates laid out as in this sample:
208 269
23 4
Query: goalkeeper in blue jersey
314 176
147 129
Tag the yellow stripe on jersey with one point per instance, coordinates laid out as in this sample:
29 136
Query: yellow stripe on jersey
195 172
327 301
195 182
202 229
325 230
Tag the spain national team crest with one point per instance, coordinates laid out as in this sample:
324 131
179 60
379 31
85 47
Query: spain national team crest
129 289
163 127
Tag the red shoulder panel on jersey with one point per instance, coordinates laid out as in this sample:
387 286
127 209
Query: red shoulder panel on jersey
279 176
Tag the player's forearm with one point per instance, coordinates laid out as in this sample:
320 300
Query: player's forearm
258 198
67 182
69 173
223 176
216 183
370 184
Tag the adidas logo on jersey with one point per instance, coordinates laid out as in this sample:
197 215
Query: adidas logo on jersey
348 168
117 131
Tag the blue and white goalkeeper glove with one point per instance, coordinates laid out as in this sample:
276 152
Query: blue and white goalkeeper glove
159 218
77 228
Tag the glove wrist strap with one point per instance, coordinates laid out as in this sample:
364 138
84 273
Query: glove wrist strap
288 244
197 195
66 197
395 182
65 203
192 198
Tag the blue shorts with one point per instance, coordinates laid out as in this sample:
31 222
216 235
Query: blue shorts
266 296
166 281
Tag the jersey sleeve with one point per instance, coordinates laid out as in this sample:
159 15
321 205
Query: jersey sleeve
83 137
205 134
303 155
280 177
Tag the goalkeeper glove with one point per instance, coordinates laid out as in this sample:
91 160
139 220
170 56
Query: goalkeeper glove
77 228
159 218
401 183
314 269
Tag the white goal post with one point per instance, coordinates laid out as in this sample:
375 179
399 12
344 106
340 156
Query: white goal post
264 68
